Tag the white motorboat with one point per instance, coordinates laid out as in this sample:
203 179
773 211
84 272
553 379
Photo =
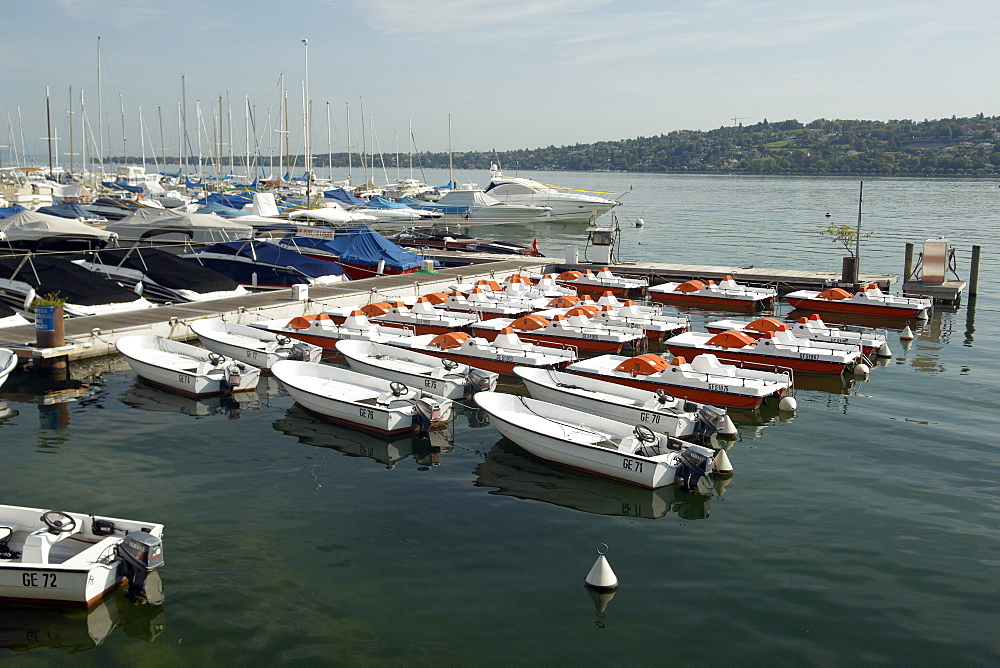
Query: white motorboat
252 345
53 556
474 207
442 376
323 331
871 302
597 445
625 318
9 316
575 331
589 283
421 318
186 369
660 411
8 361
813 327
705 379
568 206
728 294
373 404
501 355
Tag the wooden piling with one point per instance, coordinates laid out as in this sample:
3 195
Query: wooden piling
908 262
974 270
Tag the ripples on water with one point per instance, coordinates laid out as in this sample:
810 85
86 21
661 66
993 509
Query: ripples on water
863 529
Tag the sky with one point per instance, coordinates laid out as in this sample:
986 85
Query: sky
514 74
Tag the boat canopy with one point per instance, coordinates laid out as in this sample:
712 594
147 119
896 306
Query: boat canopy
31 226
731 339
690 286
643 365
834 293
72 282
344 196
767 325
361 246
67 210
168 225
167 269
376 309
383 203
530 322
269 253
8 211
230 200
224 210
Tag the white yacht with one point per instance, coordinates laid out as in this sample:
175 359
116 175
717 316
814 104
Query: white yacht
567 206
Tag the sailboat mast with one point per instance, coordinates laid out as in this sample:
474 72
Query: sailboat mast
142 141
100 109
48 124
350 173
451 177
329 141
71 130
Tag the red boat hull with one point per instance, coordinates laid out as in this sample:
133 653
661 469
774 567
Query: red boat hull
794 363
711 397
834 306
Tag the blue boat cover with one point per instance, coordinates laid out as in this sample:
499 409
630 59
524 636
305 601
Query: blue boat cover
223 210
344 196
414 203
8 211
66 210
226 199
361 246
273 254
121 186
383 203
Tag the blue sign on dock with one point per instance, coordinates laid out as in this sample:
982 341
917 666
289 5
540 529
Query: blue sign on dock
45 318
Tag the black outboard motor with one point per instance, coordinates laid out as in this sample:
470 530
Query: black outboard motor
479 381
695 463
711 420
141 553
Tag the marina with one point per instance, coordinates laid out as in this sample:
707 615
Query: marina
857 527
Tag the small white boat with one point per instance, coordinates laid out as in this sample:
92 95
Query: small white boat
421 318
252 345
813 327
323 331
186 369
373 404
597 445
589 283
500 355
73 558
660 411
8 361
870 301
442 376
561 331
728 294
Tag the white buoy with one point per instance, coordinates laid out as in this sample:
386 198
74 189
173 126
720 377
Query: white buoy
601 577
906 334
728 429
923 315
639 222
721 465
884 350
787 404
861 369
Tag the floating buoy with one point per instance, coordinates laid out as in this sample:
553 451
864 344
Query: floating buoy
639 222
827 214
787 404
728 429
601 577
721 465
923 315
861 369
884 350
906 334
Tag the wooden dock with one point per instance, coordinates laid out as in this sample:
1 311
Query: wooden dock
95 336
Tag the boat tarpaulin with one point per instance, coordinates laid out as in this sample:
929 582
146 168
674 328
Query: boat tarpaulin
362 246
72 282
343 196
67 210
8 211
34 226
269 253
167 269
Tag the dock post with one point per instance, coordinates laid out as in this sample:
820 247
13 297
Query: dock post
974 271
50 332
908 261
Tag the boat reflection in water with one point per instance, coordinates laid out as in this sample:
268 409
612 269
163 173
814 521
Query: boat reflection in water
426 451
144 396
25 627
515 472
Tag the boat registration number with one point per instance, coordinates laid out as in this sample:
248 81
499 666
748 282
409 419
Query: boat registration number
838 340
367 413
505 358
808 356
652 418
591 337
184 378
433 384
38 580
632 465
715 387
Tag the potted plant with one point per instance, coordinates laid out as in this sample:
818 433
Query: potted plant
50 331
850 238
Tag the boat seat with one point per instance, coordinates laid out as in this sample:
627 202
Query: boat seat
39 543
94 552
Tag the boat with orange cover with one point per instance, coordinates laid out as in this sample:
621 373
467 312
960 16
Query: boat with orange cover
589 283
728 294
576 331
705 379
500 355
778 347
813 327
482 304
421 318
870 302
321 330
626 317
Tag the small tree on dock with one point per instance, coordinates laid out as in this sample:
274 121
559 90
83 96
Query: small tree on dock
846 235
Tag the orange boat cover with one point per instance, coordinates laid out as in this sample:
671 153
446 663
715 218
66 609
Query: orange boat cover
731 339
437 297
449 340
677 361
530 322
834 294
689 286
492 285
564 301
378 308
585 311
643 365
306 321
570 275
767 325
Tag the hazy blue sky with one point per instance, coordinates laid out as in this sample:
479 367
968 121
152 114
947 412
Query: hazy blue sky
512 74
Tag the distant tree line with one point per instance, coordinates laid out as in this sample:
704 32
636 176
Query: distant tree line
945 147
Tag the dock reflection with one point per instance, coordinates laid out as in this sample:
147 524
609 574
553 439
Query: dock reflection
25 627
426 451
515 472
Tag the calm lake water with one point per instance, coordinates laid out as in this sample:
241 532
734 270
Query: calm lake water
865 529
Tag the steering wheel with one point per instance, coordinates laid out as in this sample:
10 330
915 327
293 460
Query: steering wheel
644 434
58 522
216 359
283 340
398 389
663 396
449 364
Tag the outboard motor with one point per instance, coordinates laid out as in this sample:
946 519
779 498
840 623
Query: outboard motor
234 374
695 462
712 420
141 553
429 411
479 380
301 351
